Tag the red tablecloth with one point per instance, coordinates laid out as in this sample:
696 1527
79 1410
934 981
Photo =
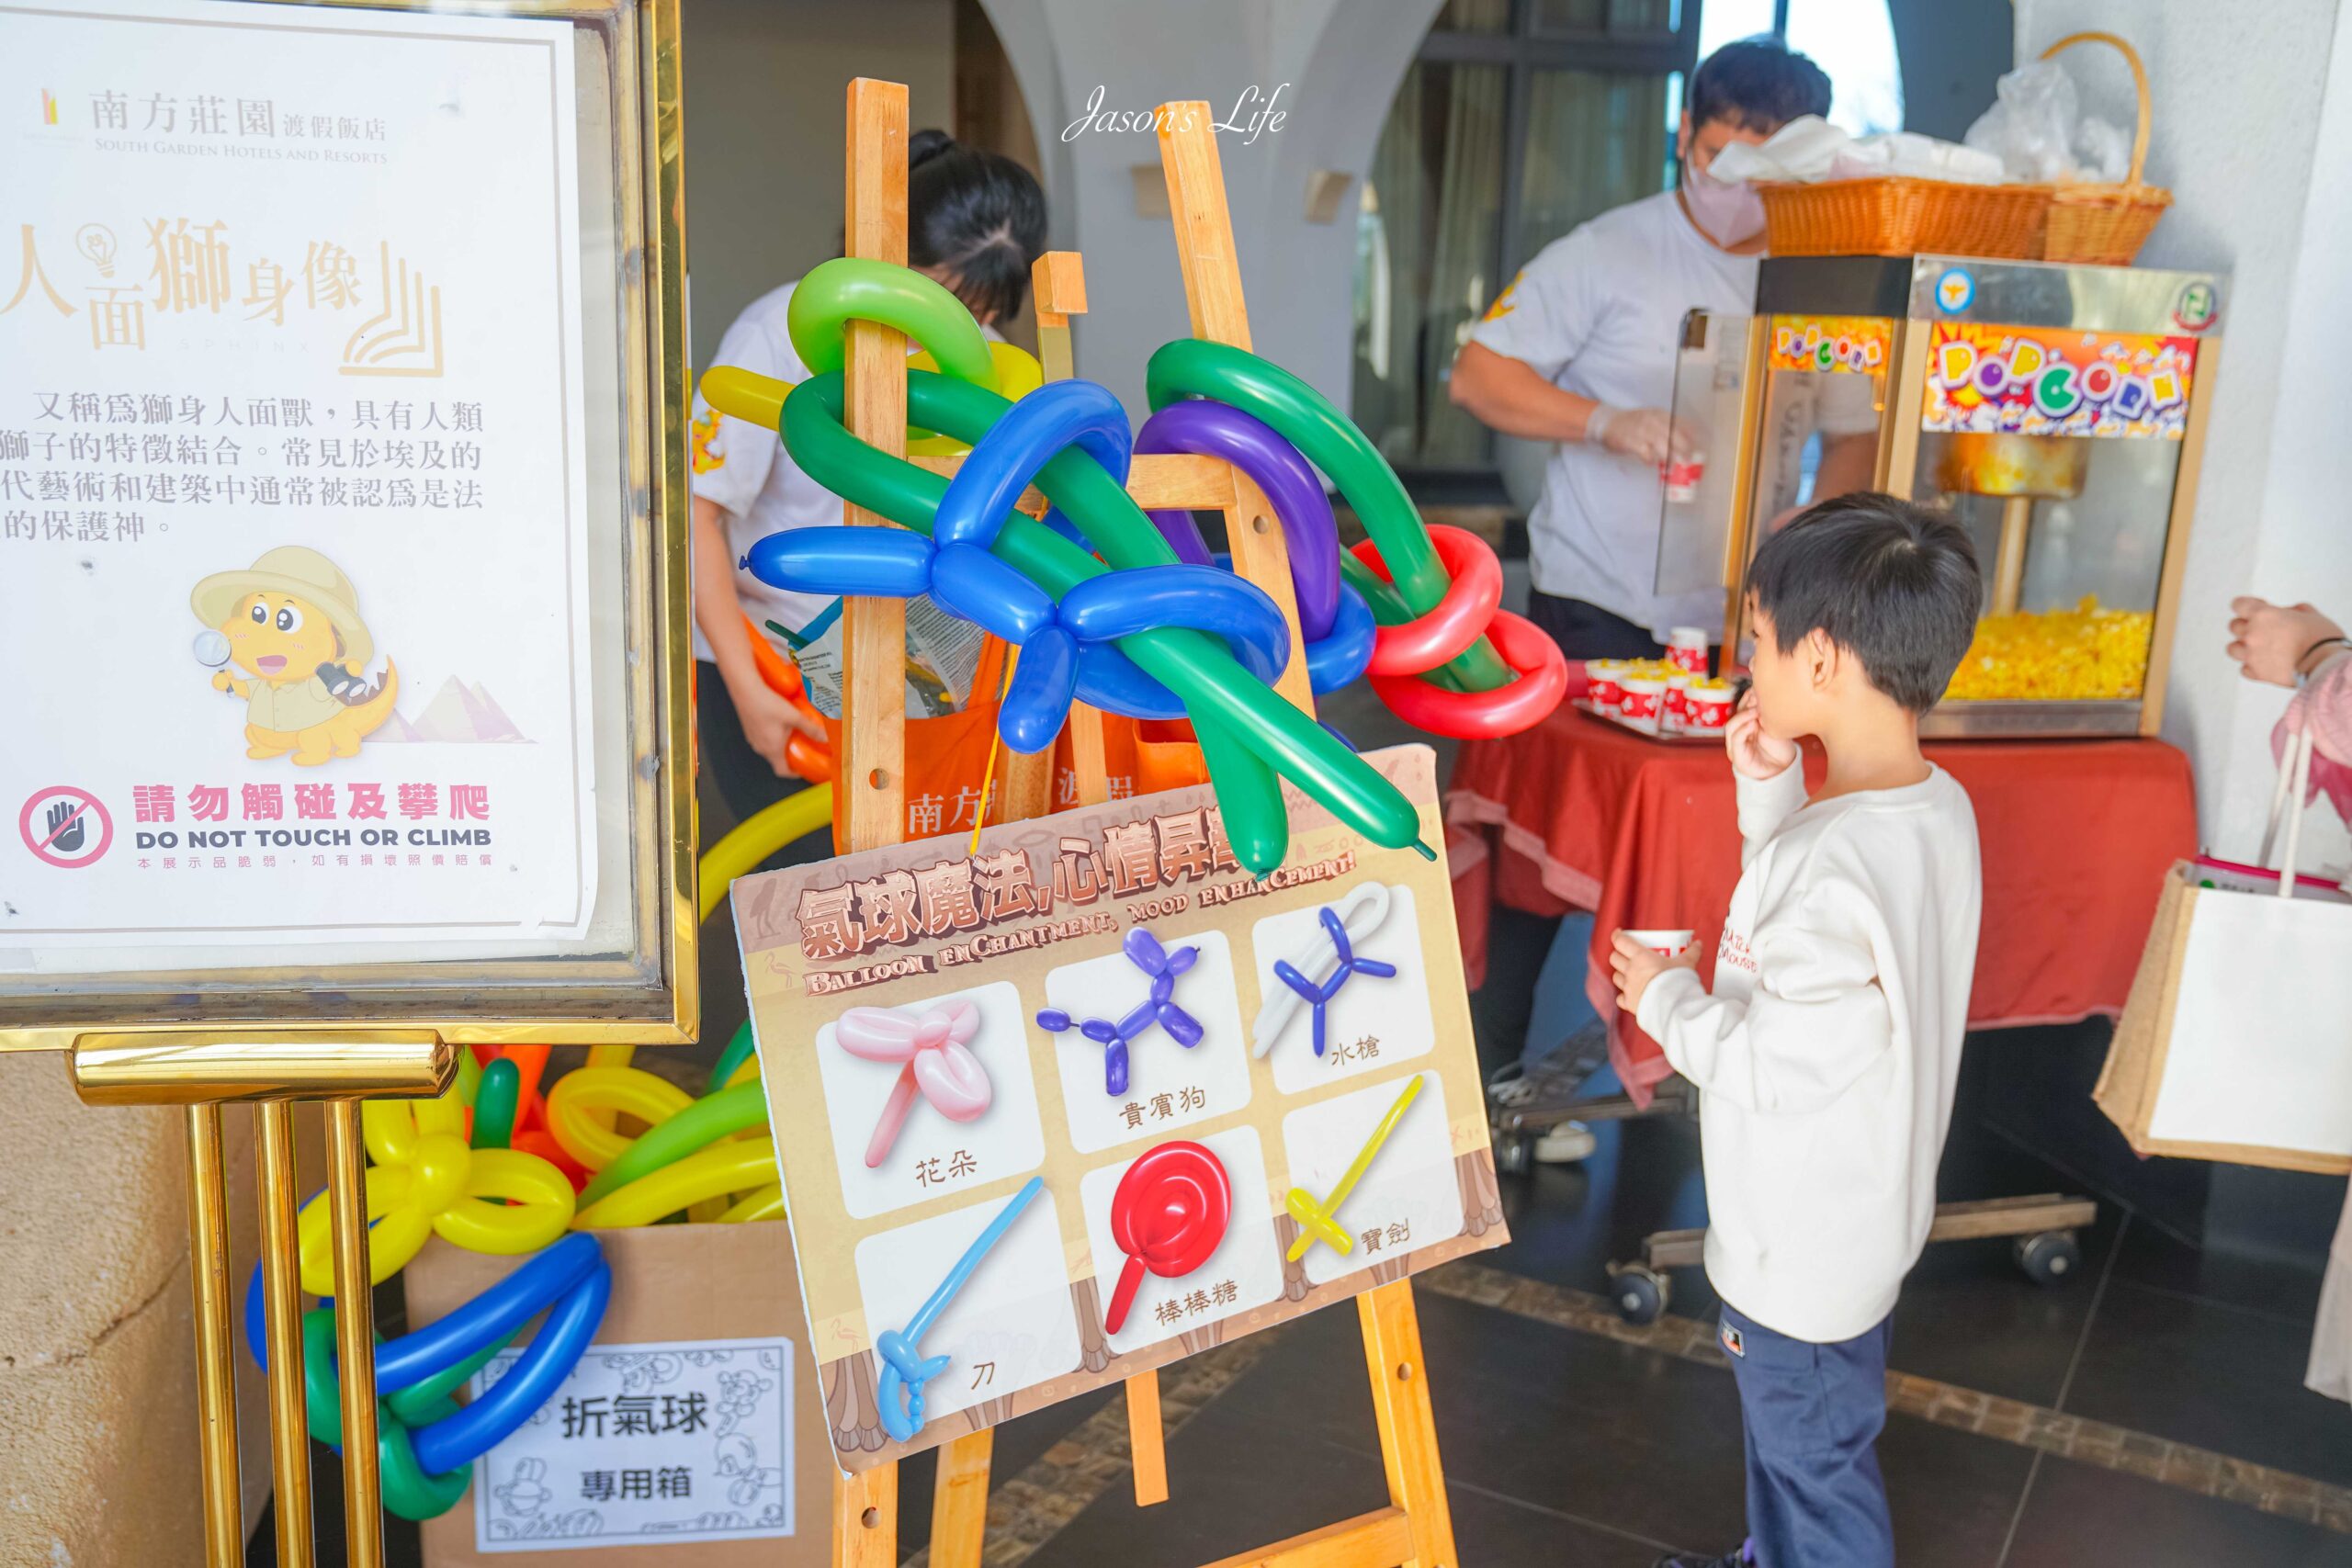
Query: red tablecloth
2077 836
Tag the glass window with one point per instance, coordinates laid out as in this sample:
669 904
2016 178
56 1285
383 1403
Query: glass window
1426 259
1473 17
1521 120
1853 40
1594 140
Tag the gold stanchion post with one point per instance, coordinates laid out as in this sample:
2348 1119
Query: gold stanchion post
216 1383
354 1336
289 1437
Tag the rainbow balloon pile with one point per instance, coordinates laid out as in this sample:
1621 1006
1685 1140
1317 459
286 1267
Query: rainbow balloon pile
493 1167
1153 628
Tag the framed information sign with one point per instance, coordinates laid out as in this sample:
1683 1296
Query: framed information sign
343 565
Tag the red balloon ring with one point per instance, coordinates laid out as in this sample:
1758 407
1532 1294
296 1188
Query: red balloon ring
1403 655
1447 632
1169 1216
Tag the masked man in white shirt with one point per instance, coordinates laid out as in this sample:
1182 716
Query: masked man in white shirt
1581 350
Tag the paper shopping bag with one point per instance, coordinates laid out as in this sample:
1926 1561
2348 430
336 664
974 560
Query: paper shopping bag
2235 1043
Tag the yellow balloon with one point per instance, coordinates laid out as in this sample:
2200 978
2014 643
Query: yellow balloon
609 1057
441 1188
392 1127
767 1203
714 1172
1018 374
540 1205
759 835
397 1231
581 1109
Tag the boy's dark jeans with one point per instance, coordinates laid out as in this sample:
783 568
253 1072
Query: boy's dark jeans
1811 1415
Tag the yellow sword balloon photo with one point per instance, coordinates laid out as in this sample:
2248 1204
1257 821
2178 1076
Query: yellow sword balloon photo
1316 1222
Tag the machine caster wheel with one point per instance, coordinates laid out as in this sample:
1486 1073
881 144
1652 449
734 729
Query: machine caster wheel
1513 1155
1640 1292
2050 1259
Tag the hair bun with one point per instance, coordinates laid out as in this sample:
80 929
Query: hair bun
926 144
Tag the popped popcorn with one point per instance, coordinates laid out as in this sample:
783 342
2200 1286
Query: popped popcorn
2084 653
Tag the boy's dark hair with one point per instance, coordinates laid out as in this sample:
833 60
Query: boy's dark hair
1892 582
1758 83
978 213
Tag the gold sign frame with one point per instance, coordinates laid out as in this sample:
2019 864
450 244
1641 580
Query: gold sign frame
627 75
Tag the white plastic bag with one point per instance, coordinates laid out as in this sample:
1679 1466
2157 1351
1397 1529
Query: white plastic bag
2030 127
2102 151
2037 129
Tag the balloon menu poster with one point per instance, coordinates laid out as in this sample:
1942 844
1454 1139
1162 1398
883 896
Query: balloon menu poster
295 563
1084 1098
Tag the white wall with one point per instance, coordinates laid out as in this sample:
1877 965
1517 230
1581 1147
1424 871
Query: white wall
766 130
1342 60
2253 133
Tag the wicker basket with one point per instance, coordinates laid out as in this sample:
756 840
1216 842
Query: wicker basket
1894 215
2100 223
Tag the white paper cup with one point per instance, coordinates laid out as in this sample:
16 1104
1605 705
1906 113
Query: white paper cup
1664 943
1676 708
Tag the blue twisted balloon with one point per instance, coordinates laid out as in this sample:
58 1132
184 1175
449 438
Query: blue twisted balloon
905 1369
1067 649
1320 997
569 1280
1163 968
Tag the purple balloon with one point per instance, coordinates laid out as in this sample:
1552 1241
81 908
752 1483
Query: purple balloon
1216 430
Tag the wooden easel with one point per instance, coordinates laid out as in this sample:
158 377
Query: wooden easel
1416 1530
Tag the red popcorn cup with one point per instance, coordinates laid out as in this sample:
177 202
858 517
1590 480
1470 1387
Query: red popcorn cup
1686 646
1665 943
1644 705
1681 478
1677 706
1707 704
1602 682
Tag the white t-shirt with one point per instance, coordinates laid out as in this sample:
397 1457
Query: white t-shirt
744 467
1599 312
1826 1057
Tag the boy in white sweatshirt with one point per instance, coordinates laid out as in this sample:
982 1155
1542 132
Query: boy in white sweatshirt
1826 1056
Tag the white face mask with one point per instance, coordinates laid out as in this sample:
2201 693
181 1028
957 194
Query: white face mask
1729 213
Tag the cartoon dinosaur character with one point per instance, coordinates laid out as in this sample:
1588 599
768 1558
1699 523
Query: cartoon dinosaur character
292 623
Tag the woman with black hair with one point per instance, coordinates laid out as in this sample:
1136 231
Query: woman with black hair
974 222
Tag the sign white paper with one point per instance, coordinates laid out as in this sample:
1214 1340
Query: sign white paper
645 1444
293 522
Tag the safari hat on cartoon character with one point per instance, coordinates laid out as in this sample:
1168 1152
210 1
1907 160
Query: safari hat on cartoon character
299 570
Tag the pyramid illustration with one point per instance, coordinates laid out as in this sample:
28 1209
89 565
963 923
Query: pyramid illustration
458 714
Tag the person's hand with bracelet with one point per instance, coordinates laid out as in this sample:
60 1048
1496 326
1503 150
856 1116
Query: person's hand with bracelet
2284 645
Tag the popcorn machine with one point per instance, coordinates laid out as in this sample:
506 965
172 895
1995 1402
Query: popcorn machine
2058 410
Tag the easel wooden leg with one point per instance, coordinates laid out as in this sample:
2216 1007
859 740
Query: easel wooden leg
1058 281
1400 1398
865 1518
959 1500
1146 1439
873 223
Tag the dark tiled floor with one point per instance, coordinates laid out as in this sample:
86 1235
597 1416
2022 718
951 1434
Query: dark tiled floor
2221 1377
2079 1515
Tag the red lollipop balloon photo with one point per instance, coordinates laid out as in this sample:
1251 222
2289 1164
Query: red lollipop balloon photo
1168 1215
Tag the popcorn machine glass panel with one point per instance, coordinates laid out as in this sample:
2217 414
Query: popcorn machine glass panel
2057 410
